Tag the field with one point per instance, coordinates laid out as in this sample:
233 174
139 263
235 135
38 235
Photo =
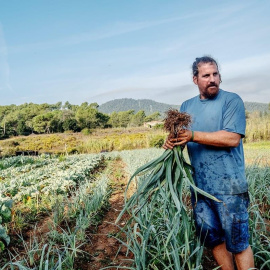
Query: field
58 212
115 139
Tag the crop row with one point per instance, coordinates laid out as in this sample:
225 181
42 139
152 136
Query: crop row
46 176
72 194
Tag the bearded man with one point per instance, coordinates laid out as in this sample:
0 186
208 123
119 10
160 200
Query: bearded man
215 149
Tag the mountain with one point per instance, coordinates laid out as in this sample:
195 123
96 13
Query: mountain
150 106
124 104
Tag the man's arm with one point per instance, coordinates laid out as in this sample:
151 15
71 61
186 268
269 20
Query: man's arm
220 138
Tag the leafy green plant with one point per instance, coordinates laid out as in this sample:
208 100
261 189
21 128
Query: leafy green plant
156 141
5 216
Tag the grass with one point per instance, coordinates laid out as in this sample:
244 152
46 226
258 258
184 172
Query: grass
71 143
257 152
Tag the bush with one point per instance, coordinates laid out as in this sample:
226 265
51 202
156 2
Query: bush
10 143
72 150
158 126
68 131
86 131
156 141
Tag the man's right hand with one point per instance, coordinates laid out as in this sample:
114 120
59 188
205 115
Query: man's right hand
168 144
183 137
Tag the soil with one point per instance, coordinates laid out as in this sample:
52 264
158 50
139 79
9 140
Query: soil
103 249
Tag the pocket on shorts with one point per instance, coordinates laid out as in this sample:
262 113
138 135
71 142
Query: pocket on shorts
240 233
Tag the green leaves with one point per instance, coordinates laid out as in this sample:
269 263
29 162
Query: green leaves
5 210
5 216
160 233
170 168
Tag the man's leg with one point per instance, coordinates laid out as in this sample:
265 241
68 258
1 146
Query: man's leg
244 260
223 257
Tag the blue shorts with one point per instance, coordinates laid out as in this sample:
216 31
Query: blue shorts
227 221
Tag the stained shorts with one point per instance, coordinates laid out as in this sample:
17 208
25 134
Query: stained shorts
227 221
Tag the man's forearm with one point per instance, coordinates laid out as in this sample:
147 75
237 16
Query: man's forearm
220 138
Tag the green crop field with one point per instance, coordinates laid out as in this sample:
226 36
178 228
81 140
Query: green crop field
68 195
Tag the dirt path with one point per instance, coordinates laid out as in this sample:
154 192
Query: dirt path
103 249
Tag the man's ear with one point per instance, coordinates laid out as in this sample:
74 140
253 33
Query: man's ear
195 80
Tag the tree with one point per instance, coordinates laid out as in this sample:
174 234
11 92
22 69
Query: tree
22 128
114 120
138 119
45 123
152 117
67 106
70 124
125 118
56 106
88 116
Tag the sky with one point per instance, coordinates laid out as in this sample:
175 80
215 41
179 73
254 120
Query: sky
100 50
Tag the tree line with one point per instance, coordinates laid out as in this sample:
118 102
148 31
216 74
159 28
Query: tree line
43 118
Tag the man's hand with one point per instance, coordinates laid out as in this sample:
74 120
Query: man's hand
183 137
221 138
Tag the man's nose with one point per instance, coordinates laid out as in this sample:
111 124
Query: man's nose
212 78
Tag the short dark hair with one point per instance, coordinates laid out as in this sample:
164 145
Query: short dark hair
205 59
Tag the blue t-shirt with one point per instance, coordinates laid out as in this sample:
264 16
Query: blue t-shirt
218 170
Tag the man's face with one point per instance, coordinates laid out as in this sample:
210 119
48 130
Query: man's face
208 80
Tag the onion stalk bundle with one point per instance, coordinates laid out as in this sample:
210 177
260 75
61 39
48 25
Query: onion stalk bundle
159 231
168 172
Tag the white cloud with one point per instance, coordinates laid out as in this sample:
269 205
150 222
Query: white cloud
248 77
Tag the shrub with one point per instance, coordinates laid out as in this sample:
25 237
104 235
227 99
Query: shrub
156 141
158 126
86 131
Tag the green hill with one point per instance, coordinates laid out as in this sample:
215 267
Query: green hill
125 104
149 106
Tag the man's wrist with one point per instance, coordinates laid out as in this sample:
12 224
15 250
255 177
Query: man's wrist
192 136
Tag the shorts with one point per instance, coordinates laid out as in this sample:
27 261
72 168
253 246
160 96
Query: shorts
227 221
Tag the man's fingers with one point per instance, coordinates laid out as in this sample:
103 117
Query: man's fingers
179 139
168 145
182 139
180 143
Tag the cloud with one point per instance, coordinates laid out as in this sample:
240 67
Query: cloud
247 77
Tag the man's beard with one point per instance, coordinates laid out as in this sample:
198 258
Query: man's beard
211 95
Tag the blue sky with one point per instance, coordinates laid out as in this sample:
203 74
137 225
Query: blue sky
97 50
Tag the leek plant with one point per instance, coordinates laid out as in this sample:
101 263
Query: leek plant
160 232
258 176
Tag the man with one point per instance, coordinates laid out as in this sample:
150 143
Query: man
216 152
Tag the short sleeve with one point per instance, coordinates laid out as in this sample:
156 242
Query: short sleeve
234 118
182 107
